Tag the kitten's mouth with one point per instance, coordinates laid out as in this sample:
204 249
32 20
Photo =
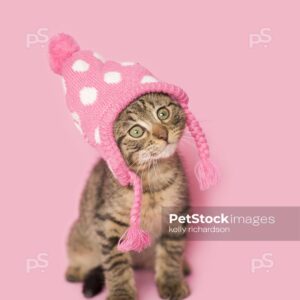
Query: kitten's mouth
147 156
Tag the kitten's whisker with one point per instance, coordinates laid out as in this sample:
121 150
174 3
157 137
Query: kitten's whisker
187 136
187 140
149 185
155 164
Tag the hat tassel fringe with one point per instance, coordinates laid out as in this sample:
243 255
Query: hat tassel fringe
206 173
135 239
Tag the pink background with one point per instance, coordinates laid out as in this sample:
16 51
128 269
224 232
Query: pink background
246 97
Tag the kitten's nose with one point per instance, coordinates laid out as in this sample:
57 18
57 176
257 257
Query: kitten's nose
160 132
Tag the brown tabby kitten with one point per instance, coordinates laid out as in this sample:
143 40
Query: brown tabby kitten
147 132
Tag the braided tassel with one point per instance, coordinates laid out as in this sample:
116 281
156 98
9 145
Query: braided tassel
135 238
206 172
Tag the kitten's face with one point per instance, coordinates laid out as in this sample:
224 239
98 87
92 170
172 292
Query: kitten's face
149 129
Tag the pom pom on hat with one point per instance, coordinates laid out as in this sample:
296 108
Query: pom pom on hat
61 47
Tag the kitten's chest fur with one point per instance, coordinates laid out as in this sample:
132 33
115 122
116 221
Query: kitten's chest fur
164 186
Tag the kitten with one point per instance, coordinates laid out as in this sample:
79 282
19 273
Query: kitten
147 133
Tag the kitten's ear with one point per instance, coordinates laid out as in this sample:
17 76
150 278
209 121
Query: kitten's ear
61 47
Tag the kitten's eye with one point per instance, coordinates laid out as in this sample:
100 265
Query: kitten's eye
163 113
136 131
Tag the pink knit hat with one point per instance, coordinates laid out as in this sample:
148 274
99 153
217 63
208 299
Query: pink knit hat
96 92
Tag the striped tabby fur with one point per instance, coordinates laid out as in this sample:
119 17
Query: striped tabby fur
105 208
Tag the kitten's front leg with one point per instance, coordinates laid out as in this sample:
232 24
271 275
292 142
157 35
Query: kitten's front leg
169 275
118 272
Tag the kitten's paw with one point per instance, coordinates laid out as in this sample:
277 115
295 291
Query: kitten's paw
93 283
121 297
173 290
74 274
122 294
